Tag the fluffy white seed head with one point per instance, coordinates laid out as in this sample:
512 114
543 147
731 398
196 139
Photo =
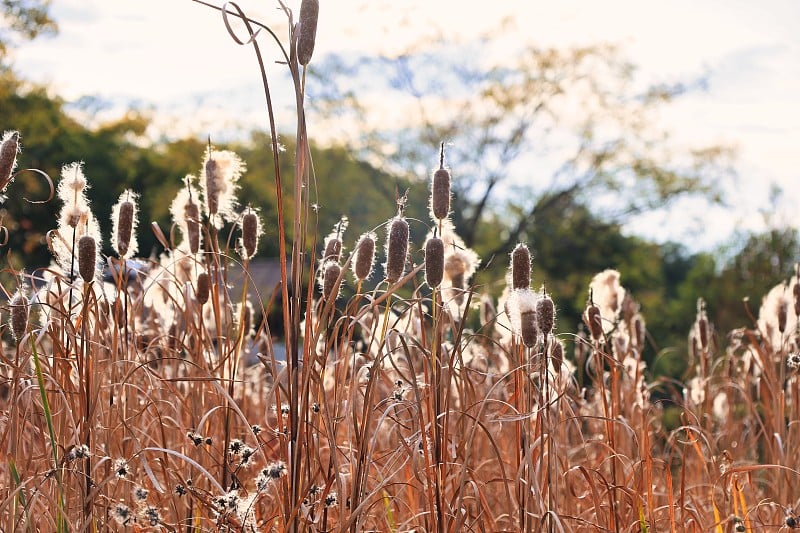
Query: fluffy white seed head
219 181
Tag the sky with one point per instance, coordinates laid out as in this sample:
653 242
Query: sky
175 57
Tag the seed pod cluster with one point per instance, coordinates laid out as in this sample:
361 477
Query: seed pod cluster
520 267
87 257
364 257
8 157
396 248
434 261
307 30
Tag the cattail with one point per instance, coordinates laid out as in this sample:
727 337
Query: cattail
396 248
364 256
123 216
520 267
528 328
702 324
333 242
557 355
783 312
330 276
193 226
251 230
639 331
203 287
545 314
87 257
119 314
796 293
307 30
219 179
20 310
8 157
440 190
593 321
434 261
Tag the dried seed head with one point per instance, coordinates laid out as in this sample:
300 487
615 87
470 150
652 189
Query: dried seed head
203 287
186 215
307 30
8 157
796 293
364 256
20 310
251 231
333 242
557 355
219 179
123 217
528 329
783 312
639 331
608 294
593 321
545 313
87 257
440 190
702 324
396 248
330 276
434 261
520 267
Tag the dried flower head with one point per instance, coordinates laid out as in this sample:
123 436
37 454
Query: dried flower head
219 181
9 148
329 280
20 311
440 190
434 261
364 256
520 267
125 221
251 231
186 215
122 514
87 257
121 468
307 30
140 493
81 451
793 360
396 248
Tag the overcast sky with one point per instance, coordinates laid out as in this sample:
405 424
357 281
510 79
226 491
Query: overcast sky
176 57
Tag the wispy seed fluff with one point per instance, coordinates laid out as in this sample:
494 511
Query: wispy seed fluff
307 30
250 226
9 148
520 267
219 181
434 261
186 215
593 321
774 319
124 219
396 248
608 295
440 190
76 219
460 263
364 256
20 311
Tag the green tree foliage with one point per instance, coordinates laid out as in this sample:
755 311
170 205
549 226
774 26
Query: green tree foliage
24 19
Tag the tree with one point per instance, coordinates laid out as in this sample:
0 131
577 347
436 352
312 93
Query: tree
575 122
23 18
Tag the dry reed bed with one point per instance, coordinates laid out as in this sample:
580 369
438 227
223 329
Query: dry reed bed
131 396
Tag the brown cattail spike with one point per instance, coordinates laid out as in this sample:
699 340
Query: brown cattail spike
87 257
440 190
307 30
593 321
796 293
8 157
434 261
125 227
330 277
20 310
557 355
783 312
193 226
396 249
203 287
545 313
528 328
520 267
250 231
364 256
